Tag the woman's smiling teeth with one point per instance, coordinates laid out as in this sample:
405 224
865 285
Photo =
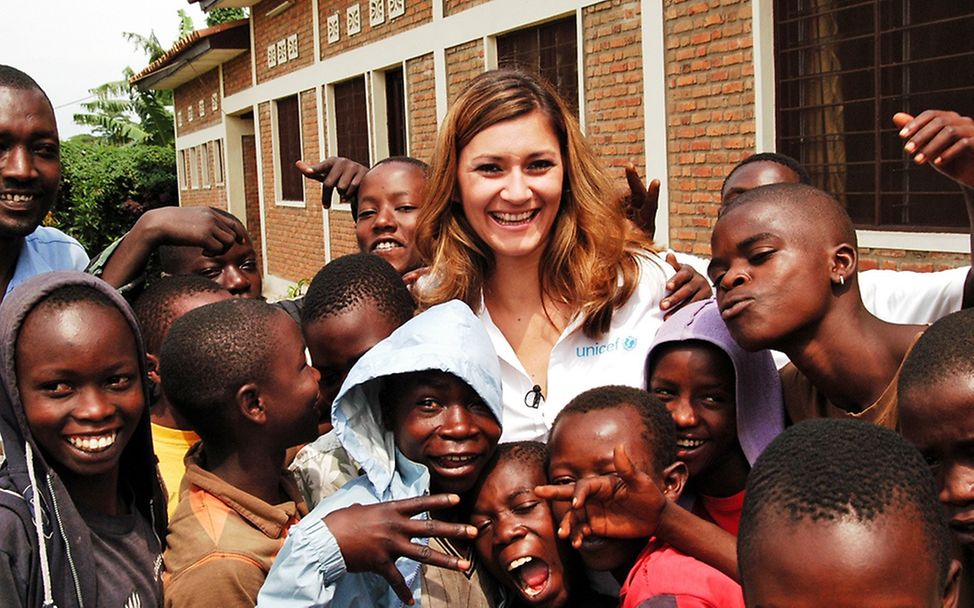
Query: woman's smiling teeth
513 218
689 444
93 443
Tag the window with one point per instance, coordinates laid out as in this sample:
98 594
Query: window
205 164
194 169
396 112
842 70
183 171
217 161
351 120
549 50
289 149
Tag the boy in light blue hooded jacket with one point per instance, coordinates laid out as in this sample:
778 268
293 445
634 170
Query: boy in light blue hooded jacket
421 413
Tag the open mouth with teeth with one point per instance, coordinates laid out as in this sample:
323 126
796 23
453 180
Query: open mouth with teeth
531 575
514 219
455 461
93 444
386 246
686 443
17 200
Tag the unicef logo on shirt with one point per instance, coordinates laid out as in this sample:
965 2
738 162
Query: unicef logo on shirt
594 350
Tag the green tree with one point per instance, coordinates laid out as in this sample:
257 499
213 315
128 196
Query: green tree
122 114
105 188
223 15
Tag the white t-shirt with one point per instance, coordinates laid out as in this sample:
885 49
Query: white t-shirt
896 296
578 363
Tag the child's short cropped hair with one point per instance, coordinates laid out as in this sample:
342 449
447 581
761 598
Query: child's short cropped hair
352 280
210 353
405 160
155 307
840 470
659 432
944 352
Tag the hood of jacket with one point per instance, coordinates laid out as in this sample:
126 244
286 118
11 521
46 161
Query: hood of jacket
66 559
447 337
760 409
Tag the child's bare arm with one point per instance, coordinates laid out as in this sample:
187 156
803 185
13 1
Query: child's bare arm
629 504
200 227
334 172
372 537
945 140
684 287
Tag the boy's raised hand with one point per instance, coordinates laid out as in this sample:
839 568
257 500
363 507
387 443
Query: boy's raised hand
372 537
943 139
626 504
642 203
202 227
334 172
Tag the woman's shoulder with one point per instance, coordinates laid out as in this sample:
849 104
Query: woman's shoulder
653 269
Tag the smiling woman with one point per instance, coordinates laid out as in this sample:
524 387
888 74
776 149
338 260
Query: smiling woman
520 222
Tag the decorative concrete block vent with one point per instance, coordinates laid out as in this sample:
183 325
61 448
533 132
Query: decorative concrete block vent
353 19
397 8
377 12
334 28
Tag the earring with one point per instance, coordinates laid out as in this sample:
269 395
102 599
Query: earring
842 280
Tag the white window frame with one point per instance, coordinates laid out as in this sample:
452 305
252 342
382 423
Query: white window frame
181 171
194 169
205 165
279 199
219 171
333 125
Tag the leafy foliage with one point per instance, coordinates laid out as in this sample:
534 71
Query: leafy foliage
223 15
111 113
121 114
105 188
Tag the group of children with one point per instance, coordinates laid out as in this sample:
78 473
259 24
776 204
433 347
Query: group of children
203 447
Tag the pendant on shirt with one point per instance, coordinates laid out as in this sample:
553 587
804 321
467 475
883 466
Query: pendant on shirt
533 398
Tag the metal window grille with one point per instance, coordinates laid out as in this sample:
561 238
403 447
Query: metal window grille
843 68
549 50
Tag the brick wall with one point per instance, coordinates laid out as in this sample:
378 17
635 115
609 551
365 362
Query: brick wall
342 230
297 19
189 96
295 243
614 83
710 109
918 261
237 74
463 62
252 195
417 12
201 196
421 106
452 7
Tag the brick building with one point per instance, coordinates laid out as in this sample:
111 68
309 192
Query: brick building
682 88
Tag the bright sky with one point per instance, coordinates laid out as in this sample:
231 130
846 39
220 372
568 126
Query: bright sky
70 46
